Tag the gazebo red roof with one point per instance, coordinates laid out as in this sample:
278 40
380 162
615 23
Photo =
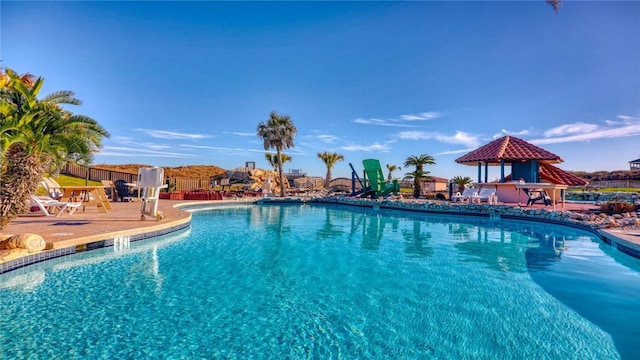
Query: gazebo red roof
510 149
555 175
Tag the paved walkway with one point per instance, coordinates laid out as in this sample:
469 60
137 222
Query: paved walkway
87 224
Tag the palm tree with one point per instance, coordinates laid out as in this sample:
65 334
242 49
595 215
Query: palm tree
391 169
555 4
37 135
277 132
419 174
461 181
329 159
272 159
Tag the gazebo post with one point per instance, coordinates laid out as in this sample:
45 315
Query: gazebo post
486 171
479 171
501 170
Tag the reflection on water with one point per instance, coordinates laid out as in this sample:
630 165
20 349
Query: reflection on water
417 240
548 251
497 249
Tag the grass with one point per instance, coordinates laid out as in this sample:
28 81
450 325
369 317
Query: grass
611 190
65 180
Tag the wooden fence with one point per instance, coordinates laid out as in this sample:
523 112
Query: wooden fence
634 184
182 184
97 174
177 183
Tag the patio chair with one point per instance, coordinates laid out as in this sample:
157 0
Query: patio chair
52 187
538 195
124 192
374 177
485 194
49 207
466 195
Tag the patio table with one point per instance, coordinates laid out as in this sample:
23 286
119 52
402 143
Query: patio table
87 195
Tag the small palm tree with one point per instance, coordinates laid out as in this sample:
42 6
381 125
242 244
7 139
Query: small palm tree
272 159
329 159
277 132
37 135
461 181
391 169
419 174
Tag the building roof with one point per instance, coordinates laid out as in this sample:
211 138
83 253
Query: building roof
556 175
636 161
510 149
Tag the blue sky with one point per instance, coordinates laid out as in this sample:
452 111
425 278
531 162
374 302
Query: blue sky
187 83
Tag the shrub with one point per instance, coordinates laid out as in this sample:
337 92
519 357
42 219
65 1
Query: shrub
616 207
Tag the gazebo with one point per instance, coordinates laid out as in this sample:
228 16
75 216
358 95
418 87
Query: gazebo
529 164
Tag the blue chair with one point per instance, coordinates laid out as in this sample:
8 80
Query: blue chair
124 193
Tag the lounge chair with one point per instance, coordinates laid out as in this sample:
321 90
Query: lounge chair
50 207
53 188
485 194
466 195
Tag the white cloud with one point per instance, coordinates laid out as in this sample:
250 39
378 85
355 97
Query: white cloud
219 148
243 133
415 135
577 132
380 122
460 137
422 116
163 134
575 128
367 148
504 132
400 121
139 152
451 152
328 139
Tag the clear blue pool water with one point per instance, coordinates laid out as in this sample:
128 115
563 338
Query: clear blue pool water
328 283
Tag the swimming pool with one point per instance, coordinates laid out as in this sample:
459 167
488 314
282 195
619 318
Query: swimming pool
307 281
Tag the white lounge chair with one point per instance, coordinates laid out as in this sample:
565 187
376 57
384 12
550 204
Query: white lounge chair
50 207
53 188
466 195
485 194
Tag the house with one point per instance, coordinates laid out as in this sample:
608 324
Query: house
434 184
634 164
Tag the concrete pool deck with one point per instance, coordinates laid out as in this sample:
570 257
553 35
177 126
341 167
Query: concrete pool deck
89 229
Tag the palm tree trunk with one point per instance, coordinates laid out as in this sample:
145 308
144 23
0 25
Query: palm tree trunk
20 177
327 180
280 173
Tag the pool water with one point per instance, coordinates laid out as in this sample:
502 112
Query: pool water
331 283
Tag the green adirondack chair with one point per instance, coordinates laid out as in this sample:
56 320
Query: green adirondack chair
374 178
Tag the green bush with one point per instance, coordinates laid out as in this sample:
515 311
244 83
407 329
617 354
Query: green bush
616 207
